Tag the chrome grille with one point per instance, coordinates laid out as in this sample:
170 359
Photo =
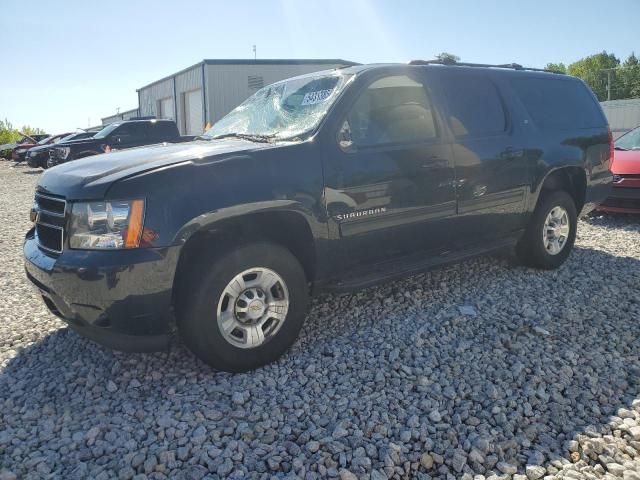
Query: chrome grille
50 220
51 205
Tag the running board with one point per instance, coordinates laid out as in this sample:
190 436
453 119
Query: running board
409 265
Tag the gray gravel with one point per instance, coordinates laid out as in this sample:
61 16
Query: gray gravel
537 377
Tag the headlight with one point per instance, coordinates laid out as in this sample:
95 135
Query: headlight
63 152
21 150
106 225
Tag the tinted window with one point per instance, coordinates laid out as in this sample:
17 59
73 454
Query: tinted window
126 129
107 130
475 107
393 109
558 103
162 130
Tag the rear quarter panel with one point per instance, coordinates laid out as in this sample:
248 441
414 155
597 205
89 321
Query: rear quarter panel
557 148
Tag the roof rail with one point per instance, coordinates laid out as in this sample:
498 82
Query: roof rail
513 66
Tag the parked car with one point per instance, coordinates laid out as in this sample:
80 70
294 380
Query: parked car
39 155
625 196
7 148
330 181
117 136
19 153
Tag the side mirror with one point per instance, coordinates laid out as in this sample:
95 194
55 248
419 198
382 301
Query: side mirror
345 140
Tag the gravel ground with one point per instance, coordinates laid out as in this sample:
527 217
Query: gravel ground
539 378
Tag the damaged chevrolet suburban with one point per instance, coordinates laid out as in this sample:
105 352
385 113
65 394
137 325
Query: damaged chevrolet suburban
332 181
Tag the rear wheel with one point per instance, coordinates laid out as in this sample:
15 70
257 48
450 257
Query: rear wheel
551 233
245 308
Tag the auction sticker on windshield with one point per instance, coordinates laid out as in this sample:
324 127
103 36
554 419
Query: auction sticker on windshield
312 98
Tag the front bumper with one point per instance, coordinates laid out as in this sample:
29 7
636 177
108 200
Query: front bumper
37 160
624 197
121 299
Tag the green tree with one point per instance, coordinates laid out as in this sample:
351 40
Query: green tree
447 57
556 67
27 130
595 70
7 133
629 78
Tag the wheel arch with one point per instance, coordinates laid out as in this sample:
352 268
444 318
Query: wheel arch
211 235
572 179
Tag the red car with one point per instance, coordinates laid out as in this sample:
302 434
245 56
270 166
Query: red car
625 196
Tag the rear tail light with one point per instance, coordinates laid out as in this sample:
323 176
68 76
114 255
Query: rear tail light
611 149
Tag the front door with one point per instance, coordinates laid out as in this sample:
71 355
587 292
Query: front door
389 179
491 162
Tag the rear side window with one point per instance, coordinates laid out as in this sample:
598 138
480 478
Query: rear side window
475 107
163 130
558 104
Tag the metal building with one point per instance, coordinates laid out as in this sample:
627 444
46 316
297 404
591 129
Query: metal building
207 91
120 116
623 115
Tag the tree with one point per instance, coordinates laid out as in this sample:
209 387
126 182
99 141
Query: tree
26 129
595 70
556 67
445 57
7 133
629 77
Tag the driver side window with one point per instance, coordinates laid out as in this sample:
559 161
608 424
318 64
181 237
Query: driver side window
392 110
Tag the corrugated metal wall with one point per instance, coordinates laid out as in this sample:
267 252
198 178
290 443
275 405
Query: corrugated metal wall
150 95
185 82
120 116
228 85
623 115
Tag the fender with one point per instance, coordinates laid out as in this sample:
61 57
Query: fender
211 221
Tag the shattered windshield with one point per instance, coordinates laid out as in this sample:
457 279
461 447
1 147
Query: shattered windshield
284 110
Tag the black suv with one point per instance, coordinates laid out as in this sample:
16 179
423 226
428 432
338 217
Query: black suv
329 181
39 155
117 136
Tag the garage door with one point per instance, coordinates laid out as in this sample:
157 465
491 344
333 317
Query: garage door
166 108
193 124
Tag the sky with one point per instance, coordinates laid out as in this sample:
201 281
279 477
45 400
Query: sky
68 64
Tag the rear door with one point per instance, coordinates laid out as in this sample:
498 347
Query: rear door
492 165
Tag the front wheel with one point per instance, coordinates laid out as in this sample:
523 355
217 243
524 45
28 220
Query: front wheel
549 238
245 308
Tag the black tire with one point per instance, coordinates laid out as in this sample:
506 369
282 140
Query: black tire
197 311
531 249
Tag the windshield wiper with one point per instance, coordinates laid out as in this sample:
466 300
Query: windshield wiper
246 136
621 148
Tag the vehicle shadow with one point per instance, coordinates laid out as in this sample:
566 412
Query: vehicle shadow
521 377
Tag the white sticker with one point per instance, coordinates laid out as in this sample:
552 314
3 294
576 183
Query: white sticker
312 98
